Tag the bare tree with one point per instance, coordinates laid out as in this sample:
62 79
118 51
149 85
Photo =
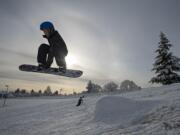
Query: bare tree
110 87
128 85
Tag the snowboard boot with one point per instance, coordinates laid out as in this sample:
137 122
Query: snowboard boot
42 67
62 69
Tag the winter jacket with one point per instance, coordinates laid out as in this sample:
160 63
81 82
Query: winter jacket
58 47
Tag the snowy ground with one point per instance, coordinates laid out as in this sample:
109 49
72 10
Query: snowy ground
153 111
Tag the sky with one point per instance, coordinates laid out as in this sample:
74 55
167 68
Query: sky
108 40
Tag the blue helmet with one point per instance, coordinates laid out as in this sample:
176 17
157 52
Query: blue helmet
46 25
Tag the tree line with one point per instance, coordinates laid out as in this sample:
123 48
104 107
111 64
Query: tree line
125 86
26 93
166 68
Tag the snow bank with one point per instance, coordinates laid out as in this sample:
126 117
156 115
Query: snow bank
116 109
169 92
152 111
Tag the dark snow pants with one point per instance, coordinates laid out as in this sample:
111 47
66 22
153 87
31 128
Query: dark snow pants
42 56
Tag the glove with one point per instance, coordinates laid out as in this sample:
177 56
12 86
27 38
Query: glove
44 36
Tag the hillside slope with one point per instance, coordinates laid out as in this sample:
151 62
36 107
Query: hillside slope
152 111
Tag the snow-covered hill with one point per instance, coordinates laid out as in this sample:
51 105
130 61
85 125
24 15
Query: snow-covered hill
152 111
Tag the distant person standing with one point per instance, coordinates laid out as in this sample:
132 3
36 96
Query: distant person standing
80 101
4 98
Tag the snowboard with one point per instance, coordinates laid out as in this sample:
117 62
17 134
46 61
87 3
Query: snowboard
54 71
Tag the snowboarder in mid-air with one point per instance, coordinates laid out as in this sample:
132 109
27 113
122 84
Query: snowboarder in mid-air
47 52
56 49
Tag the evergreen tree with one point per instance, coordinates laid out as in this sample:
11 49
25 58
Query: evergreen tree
56 93
23 91
32 92
166 65
40 92
48 91
17 91
91 87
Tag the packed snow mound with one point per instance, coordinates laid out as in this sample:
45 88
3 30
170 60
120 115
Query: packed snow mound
116 109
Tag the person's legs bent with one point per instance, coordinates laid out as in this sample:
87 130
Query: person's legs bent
60 60
42 54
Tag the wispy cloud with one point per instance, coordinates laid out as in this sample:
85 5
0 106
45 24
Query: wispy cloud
20 54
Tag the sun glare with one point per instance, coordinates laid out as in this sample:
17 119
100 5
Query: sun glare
71 60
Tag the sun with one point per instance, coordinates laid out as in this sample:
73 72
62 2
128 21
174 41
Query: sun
71 60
